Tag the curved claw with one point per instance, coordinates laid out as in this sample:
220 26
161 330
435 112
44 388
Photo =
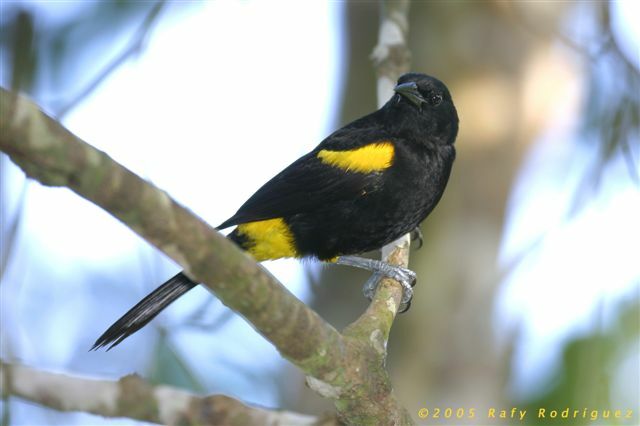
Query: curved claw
406 277
416 235
404 308
369 288
407 293
404 274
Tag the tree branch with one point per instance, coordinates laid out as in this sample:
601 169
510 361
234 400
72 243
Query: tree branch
49 153
134 398
369 334
348 369
392 58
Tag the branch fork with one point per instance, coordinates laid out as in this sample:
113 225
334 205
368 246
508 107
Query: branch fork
347 367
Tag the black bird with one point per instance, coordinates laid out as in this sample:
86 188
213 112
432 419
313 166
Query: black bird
365 185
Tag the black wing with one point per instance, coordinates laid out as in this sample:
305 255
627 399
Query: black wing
308 184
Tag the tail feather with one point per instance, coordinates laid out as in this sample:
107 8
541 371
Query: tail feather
145 311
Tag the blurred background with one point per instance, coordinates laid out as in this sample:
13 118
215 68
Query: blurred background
529 278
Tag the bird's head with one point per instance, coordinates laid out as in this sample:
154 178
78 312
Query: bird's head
427 102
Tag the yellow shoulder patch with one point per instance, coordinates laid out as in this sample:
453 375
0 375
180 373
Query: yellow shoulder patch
269 239
370 158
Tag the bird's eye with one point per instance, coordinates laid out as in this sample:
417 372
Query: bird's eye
435 100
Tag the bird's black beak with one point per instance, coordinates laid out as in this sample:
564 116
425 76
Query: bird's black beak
410 91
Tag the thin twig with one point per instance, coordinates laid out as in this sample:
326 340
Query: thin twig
392 58
134 47
10 230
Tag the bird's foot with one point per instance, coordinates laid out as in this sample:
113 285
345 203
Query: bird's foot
406 277
416 235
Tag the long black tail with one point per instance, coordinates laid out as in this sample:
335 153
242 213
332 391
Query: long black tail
145 311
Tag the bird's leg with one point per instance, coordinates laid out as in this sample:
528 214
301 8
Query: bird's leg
416 235
369 288
406 277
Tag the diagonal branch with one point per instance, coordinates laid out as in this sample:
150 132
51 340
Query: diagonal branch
49 153
134 398
348 369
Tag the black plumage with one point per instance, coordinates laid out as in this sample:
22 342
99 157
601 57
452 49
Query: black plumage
329 209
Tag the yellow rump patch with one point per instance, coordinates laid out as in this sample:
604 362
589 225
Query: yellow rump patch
370 158
268 239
